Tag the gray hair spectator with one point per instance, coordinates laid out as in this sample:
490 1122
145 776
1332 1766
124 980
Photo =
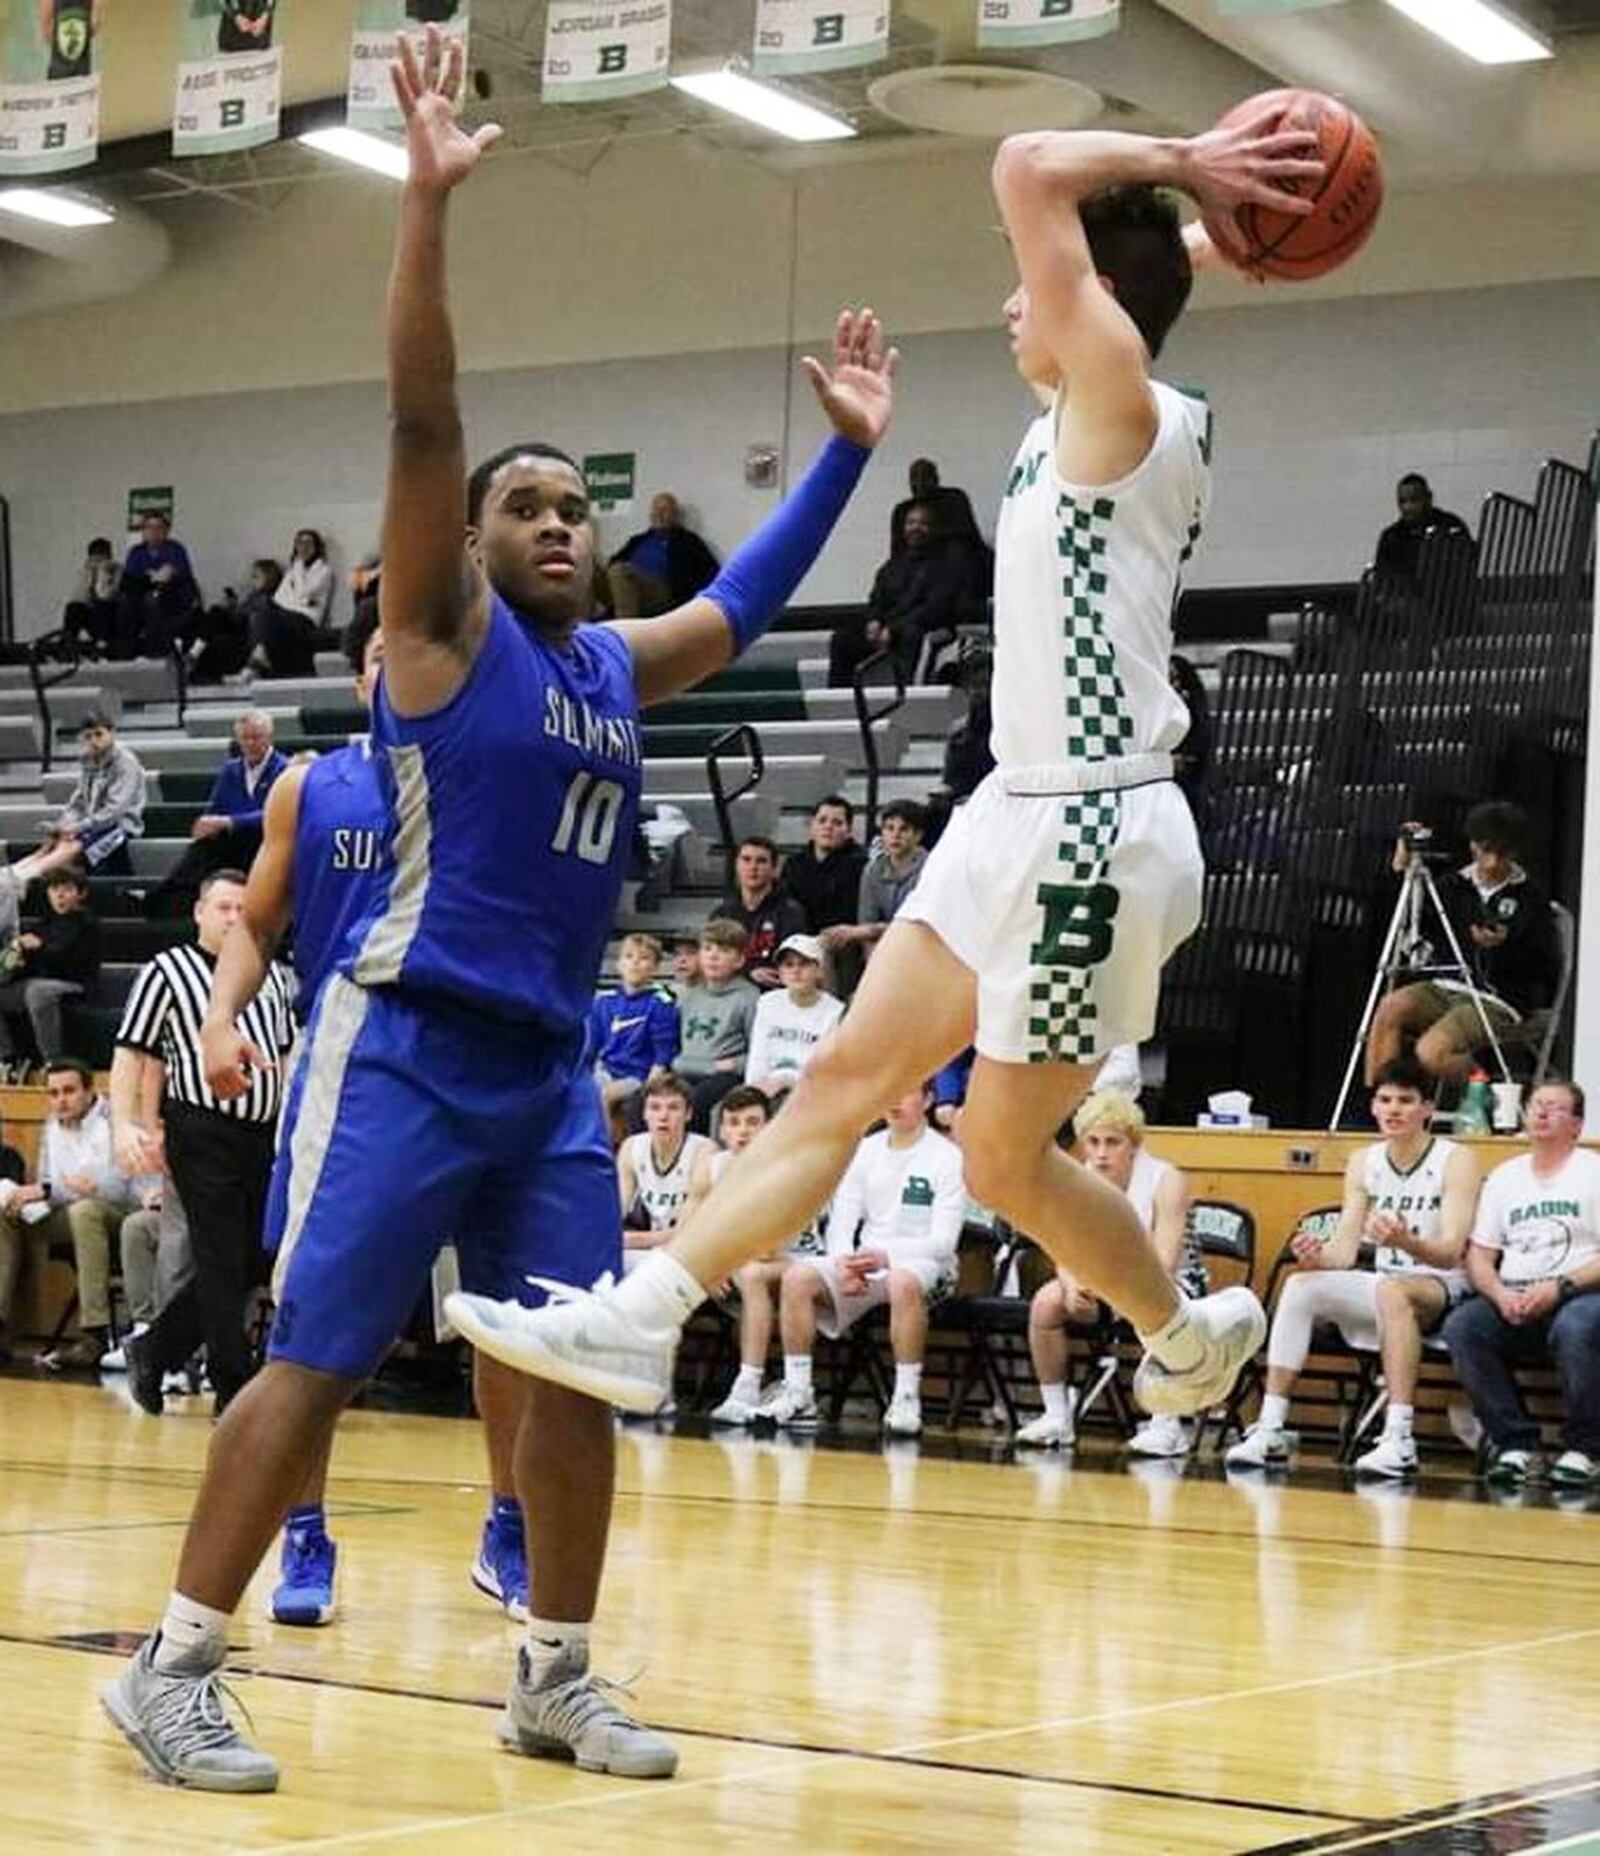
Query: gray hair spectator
106 807
228 832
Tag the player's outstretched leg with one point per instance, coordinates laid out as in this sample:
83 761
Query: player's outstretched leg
168 1699
566 1452
914 1011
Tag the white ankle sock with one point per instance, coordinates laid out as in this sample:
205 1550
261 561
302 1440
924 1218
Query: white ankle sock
1055 1401
1274 1411
908 1380
1398 1420
551 1641
660 1293
191 1631
748 1385
797 1371
1178 1345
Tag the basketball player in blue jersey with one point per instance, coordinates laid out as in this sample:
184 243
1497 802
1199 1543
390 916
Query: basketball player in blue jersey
323 857
445 1088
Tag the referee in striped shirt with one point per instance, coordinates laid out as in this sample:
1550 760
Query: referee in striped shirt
219 1153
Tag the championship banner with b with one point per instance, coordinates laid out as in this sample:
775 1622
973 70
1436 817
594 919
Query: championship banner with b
49 92
794 36
1007 24
369 101
230 76
594 52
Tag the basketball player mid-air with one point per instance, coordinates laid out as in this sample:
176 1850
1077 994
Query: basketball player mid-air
1043 917
445 1090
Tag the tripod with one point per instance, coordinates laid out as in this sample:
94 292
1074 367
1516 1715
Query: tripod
1401 943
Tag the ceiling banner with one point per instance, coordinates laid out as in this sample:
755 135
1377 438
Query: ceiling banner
49 90
369 99
230 75
1009 25
594 52
795 36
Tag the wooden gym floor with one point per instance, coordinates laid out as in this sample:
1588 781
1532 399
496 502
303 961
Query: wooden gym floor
858 1650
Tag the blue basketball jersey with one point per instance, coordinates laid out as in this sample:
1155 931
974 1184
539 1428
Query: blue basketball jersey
340 844
514 808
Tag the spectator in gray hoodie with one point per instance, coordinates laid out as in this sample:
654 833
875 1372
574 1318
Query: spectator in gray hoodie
890 876
106 808
716 1016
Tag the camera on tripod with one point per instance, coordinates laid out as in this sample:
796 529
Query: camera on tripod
1417 838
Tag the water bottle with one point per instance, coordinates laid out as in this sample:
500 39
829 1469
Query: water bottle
1473 1115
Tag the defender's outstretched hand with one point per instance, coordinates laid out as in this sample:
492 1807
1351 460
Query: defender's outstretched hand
858 394
442 153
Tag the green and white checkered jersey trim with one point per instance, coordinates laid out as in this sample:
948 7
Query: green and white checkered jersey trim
1098 720
1079 908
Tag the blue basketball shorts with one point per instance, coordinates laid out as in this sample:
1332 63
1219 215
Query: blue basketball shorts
408 1125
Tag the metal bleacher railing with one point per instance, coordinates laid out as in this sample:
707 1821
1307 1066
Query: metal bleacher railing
1467 685
863 683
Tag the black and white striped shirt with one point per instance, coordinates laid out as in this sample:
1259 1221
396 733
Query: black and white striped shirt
164 1015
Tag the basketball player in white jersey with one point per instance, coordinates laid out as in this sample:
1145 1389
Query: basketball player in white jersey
1412 1196
656 1169
1110 1133
1041 920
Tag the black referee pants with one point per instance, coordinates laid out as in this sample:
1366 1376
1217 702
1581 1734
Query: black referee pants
222 1169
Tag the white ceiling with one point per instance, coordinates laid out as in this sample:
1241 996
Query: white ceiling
1173 66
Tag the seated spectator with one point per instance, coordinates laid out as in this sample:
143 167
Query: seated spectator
715 1019
745 1112
227 630
825 877
968 756
283 639
160 599
1507 934
227 834
106 807
792 1022
950 511
1534 1261
761 907
55 960
920 595
889 877
1109 1129
633 1029
1412 1197
904 1193
1191 758
16 878
656 1167
1399 555
685 965
80 1199
90 620
157 1262
662 566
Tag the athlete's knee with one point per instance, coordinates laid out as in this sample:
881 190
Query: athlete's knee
1047 1310
801 1285
905 1292
305 1392
995 1170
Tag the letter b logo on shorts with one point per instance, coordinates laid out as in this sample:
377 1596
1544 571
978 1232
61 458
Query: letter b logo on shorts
827 29
613 58
1077 924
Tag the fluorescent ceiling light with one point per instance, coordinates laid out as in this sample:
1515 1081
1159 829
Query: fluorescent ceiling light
763 104
55 209
1477 28
365 151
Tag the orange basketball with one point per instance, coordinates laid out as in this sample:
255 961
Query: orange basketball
1347 197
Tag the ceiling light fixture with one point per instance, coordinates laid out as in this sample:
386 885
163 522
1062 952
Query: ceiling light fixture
53 209
374 152
1482 30
780 111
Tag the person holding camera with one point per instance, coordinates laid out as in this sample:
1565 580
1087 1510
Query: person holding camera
1506 931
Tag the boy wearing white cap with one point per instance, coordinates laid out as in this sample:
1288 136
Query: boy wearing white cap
791 1023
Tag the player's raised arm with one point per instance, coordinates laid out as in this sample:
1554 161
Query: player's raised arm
1095 343
431 600
682 648
248 947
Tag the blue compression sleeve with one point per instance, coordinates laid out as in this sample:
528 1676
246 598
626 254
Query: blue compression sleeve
759 576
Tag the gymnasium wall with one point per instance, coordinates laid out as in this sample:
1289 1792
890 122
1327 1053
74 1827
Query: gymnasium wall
658 291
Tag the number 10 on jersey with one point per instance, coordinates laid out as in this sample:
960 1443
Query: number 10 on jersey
588 822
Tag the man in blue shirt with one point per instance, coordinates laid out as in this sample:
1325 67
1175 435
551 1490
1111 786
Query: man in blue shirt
227 834
160 598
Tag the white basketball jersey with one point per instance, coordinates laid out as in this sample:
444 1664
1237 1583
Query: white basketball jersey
663 1194
1416 1194
1143 1184
1084 586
